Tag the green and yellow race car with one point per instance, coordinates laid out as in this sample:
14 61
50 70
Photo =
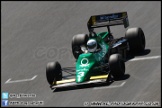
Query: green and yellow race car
99 57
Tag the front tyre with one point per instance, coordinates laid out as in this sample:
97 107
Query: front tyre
136 40
53 72
117 66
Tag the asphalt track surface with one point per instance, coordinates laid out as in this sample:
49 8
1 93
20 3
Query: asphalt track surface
35 33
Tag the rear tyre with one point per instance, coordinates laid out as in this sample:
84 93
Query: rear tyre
77 41
117 66
136 40
53 72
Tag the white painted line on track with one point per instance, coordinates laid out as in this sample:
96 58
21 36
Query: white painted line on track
113 86
23 80
145 58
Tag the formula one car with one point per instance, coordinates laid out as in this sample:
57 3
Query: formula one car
99 57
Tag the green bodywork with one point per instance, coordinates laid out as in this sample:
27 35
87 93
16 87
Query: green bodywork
87 62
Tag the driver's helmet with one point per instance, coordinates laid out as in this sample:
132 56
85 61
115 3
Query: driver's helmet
92 45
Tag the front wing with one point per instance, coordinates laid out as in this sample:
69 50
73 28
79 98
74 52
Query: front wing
71 82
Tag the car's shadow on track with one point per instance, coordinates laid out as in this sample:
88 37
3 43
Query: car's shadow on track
145 52
86 86
126 76
131 56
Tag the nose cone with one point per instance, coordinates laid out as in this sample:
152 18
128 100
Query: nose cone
84 66
79 80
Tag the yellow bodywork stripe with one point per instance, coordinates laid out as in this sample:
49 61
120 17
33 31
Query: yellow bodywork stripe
91 78
65 81
99 77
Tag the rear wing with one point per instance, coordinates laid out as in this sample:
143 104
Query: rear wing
120 18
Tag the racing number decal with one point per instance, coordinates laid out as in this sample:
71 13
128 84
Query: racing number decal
80 74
